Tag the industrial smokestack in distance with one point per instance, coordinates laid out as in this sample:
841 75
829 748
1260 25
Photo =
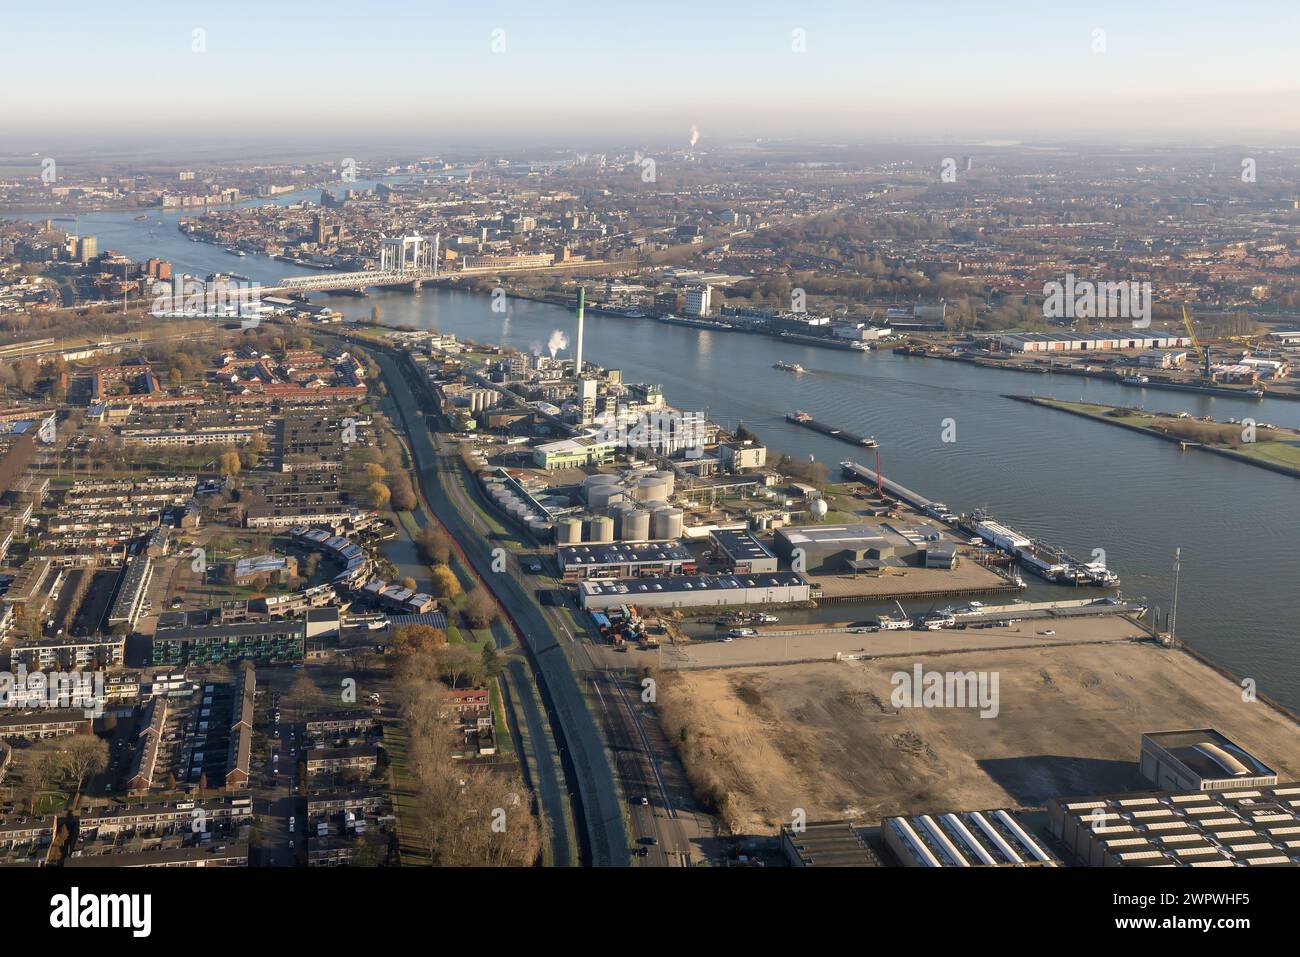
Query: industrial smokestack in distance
582 301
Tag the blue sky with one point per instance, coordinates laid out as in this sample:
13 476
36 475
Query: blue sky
646 70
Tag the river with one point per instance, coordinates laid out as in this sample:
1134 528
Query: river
1054 476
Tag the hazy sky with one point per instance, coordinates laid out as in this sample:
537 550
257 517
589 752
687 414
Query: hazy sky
650 70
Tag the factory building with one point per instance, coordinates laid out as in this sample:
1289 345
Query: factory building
739 456
573 453
626 560
742 553
687 591
992 838
1249 827
1200 760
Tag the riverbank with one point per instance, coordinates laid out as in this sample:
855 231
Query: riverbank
1280 452
1051 367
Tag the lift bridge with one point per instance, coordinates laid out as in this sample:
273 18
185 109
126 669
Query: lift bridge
403 261
355 280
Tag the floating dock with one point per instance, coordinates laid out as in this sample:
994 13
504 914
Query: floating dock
808 422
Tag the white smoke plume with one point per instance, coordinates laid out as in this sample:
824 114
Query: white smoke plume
695 135
557 342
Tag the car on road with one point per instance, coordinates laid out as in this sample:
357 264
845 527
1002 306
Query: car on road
862 630
742 633
1049 632
533 565
651 841
645 801
726 638
643 852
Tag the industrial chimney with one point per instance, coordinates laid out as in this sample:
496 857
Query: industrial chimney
582 300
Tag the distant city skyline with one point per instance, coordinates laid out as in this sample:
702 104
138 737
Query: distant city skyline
486 73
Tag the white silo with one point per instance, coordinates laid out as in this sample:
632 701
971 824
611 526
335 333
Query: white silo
666 523
635 526
669 481
569 531
601 497
602 529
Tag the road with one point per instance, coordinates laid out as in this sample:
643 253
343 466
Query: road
582 750
274 800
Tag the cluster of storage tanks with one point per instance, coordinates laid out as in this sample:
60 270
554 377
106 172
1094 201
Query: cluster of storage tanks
519 509
631 508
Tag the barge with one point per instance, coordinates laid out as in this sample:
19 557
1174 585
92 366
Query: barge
808 422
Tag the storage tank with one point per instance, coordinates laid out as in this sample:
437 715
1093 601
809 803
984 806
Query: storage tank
668 478
601 497
651 489
602 529
593 482
569 531
635 526
666 523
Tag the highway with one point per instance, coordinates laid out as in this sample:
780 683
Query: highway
582 750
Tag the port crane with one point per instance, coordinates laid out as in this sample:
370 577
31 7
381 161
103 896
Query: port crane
1202 354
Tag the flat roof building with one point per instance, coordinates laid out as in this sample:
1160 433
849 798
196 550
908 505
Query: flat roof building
743 553
826 844
684 591
192 637
624 560
831 547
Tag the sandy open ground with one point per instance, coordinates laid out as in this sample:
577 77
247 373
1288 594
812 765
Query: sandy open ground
825 737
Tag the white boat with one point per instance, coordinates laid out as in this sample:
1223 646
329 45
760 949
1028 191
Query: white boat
788 366
890 623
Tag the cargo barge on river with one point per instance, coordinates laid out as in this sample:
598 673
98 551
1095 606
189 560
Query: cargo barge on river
808 422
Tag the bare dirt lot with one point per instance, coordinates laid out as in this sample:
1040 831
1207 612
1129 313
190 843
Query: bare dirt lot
825 737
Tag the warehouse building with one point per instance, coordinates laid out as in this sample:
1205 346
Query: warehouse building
742 553
826 844
992 838
1250 827
685 591
1200 760
625 560
830 548
1104 340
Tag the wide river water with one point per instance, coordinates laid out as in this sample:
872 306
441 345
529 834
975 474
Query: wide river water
1079 484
